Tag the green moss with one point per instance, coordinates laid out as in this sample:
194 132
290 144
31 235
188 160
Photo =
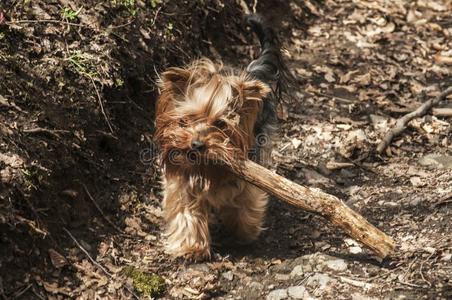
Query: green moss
146 284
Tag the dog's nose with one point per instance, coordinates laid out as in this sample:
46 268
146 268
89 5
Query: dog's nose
197 145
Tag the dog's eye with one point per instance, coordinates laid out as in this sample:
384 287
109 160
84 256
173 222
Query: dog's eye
220 124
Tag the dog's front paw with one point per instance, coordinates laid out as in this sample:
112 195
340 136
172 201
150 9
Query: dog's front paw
197 254
194 251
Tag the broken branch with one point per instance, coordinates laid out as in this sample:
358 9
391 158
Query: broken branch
401 123
316 201
442 112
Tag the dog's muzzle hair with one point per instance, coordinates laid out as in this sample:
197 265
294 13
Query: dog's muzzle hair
206 115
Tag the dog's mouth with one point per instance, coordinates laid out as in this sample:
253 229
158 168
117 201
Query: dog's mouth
202 158
194 157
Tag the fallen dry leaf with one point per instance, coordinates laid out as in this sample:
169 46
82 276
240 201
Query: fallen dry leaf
58 260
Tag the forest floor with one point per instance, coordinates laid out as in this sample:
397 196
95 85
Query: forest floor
80 212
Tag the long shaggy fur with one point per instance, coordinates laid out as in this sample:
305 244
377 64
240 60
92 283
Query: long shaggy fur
206 115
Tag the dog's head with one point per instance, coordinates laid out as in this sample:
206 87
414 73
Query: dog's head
206 114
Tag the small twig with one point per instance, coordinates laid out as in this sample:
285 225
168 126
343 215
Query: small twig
122 25
411 284
53 133
420 270
409 269
32 225
21 292
101 104
357 163
99 209
386 273
357 283
155 16
401 123
5 102
37 294
48 21
93 261
340 99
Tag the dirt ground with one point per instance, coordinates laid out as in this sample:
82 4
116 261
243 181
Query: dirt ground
80 214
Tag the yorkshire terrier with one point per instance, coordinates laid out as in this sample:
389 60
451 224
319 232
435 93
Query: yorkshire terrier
208 114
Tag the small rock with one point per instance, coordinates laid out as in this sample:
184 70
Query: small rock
150 237
337 265
319 280
278 294
415 201
298 292
228 275
355 250
296 143
430 250
379 122
446 257
416 181
437 160
297 271
351 242
253 290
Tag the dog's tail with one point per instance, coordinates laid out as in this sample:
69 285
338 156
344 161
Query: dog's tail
269 67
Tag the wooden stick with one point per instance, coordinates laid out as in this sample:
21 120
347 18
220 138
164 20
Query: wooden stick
442 112
401 123
318 202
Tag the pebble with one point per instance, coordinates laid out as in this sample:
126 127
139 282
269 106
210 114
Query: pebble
278 294
437 160
355 250
416 181
337 265
320 280
298 292
253 290
297 271
416 201
228 275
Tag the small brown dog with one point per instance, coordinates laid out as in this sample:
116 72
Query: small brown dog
207 114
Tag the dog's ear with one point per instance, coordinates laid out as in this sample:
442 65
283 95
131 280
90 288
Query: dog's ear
175 80
251 92
254 90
